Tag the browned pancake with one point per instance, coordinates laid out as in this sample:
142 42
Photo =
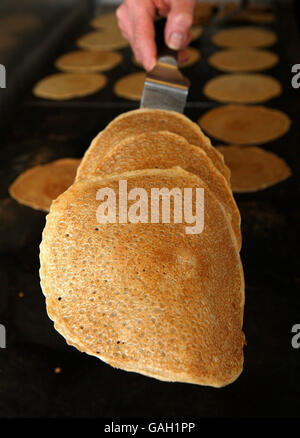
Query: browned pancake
146 297
242 88
142 121
130 86
106 39
164 150
63 86
105 21
242 124
254 169
243 60
84 61
38 186
244 37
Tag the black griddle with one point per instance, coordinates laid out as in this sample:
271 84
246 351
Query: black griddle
42 131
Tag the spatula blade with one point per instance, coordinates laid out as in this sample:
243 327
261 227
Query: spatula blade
165 87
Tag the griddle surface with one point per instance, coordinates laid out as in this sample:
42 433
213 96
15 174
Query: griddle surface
42 131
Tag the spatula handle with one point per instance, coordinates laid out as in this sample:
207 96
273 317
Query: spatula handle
162 49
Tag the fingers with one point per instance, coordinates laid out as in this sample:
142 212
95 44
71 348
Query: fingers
124 22
179 21
183 56
135 19
144 35
163 7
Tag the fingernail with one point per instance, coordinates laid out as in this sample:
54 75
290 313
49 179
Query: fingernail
176 40
150 64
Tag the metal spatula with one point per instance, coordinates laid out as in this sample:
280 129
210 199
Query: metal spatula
165 87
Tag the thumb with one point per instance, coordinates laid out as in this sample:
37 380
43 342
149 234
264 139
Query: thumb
179 21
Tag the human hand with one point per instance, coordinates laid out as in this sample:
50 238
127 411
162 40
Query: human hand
136 19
